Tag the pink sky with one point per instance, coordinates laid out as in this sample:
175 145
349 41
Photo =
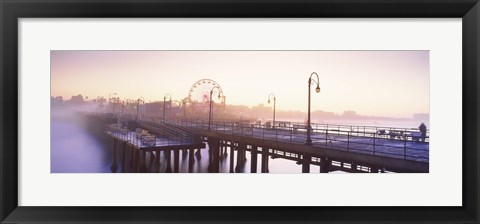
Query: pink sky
380 83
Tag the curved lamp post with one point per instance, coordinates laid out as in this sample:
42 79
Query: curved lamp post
274 104
308 141
138 105
99 100
210 112
123 107
115 101
164 99
184 103
129 104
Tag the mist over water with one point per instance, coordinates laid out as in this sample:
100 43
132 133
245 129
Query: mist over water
77 149
73 148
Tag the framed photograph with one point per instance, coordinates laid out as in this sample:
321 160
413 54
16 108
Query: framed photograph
249 112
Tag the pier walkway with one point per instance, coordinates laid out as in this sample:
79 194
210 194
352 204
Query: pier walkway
152 139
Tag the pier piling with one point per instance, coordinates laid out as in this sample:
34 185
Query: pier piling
114 158
325 165
143 165
264 160
253 154
124 159
191 160
306 164
157 161
176 161
168 158
232 159
151 162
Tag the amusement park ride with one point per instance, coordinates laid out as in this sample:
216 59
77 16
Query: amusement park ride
195 106
199 95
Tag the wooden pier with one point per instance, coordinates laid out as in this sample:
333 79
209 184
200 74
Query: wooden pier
334 148
141 142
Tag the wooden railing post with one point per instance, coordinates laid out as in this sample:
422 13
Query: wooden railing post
326 137
276 134
263 133
291 133
348 141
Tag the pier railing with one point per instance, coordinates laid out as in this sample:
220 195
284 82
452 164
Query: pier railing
404 143
380 141
142 138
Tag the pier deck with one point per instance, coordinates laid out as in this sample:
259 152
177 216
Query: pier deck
370 148
151 142
334 147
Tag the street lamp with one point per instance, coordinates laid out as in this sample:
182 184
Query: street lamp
128 103
115 101
111 102
308 141
99 101
164 99
138 105
274 103
184 102
210 112
123 107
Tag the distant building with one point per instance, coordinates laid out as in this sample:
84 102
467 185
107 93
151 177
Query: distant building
237 109
261 111
320 114
421 116
76 99
349 114
155 107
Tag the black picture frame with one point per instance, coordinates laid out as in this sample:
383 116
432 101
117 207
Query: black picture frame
12 10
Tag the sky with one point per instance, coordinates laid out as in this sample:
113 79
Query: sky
373 83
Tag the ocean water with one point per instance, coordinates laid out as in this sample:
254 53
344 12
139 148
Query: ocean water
73 148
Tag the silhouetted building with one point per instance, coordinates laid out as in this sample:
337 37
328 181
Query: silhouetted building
349 114
421 116
262 111
154 108
76 99
320 114
56 100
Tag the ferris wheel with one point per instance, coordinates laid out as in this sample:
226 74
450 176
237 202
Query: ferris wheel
200 92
